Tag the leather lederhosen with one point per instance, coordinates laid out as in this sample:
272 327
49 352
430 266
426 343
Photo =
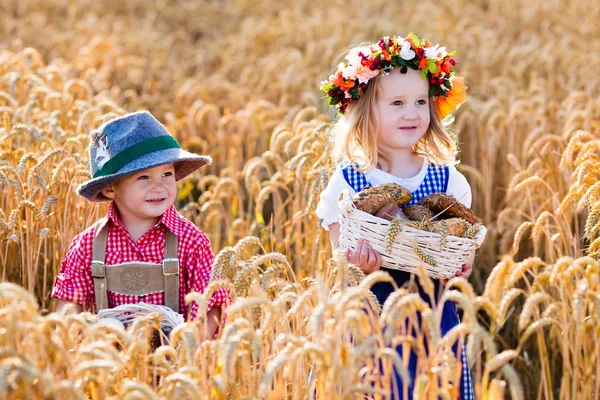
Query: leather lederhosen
135 278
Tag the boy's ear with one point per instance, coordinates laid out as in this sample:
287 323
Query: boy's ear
108 192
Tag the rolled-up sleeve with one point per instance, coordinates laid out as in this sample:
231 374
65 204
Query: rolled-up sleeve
74 282
327 208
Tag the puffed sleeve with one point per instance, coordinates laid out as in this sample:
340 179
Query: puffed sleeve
74 281
459 187
327 208
199 267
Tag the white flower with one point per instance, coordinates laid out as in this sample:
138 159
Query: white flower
435 52
405 52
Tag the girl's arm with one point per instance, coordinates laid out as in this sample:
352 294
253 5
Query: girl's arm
334 235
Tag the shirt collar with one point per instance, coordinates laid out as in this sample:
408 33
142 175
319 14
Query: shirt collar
170 219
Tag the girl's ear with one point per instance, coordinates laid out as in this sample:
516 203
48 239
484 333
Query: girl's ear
109 192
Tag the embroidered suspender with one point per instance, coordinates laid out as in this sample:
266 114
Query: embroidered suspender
135 279
170 270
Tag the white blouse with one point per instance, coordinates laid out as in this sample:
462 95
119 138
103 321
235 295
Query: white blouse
327 209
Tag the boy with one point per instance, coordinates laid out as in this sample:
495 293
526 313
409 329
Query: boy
143 250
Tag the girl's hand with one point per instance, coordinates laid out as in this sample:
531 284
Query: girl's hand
466 271
467 268
364 257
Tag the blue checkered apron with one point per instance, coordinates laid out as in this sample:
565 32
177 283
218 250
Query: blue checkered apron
436 180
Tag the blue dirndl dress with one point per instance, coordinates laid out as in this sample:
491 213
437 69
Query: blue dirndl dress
436 180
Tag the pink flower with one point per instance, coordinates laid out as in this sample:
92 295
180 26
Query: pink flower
354 59
364 74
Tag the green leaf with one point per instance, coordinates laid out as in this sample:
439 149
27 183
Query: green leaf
416 39
399 61
327 87
431 66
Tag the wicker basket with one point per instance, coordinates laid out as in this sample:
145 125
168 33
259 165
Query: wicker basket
126 313
440 260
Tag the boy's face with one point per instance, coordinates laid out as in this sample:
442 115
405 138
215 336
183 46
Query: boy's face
145 195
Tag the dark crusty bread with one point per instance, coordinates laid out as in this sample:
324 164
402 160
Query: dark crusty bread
371 199
448 206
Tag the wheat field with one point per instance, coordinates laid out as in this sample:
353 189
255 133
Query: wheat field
239 80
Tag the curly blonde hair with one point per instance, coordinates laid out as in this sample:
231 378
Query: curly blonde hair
355 134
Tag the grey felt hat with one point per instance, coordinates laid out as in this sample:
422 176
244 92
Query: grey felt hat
133 143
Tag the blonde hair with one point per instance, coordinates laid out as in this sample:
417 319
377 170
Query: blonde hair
355 134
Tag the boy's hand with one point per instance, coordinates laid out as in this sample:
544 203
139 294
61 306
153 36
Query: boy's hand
212 322
364 257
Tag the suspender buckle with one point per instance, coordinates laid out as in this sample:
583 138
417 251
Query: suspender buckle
170 266
98 269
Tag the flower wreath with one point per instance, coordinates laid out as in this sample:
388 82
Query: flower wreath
361 64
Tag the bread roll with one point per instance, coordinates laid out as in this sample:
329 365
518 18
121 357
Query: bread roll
371 199
453 226
448 206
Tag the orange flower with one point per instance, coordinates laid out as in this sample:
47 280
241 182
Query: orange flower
339 80
439 70
456 96
447 66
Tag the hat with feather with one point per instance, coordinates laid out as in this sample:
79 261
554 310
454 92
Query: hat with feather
133 143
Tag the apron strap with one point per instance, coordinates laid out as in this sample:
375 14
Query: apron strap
170 266
98 267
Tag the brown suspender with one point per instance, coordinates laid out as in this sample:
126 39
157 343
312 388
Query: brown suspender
170 271
135 279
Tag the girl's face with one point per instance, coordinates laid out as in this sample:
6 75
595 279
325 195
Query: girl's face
146 195
403 110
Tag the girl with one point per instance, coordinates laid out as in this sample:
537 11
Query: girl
392 97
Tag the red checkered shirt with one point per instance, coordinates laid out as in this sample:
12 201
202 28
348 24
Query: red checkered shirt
74 281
